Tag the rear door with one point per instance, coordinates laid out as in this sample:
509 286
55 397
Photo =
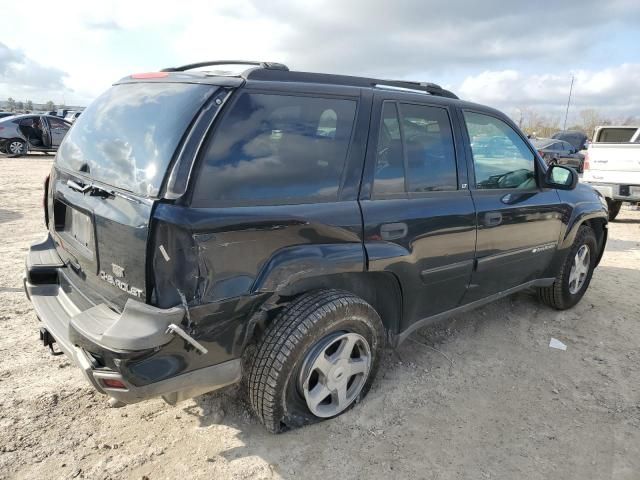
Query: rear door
419 219
107 178
519 222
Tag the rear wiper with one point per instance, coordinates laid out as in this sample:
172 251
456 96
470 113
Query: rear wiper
97 191
77 187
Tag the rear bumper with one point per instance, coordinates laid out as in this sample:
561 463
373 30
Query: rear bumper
59 315
614 191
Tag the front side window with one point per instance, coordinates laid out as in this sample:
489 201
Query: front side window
56 123
500 156
277 149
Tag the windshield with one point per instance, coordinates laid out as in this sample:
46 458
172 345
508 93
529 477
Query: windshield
128 135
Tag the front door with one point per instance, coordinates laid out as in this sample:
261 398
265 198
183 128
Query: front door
518 222
419 218
58 128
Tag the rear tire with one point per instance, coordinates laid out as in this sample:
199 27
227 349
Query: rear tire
575 275
614 208
316 360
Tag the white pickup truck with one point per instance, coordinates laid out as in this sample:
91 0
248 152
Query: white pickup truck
612 165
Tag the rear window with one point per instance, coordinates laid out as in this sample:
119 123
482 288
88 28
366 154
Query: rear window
277 149
616 135
128 135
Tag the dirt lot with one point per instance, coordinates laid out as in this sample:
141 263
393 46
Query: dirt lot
505 406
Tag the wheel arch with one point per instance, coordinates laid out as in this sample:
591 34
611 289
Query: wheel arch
381 290
600 228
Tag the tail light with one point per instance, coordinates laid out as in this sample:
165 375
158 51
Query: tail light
44 201
585 165
113 383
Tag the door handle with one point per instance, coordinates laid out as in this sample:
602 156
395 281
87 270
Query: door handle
393 231
492 219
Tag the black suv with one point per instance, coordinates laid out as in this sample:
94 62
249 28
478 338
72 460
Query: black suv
281 227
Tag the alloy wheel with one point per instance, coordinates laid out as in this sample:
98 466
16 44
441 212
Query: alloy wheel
334 373
579 269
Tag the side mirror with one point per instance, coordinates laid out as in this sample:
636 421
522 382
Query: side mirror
561 177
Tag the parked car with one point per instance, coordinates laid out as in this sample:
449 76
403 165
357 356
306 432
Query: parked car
558 152
613 165
284 226
6 114
72 115
578 140
20 134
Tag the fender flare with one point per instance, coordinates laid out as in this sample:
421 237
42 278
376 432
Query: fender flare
293 264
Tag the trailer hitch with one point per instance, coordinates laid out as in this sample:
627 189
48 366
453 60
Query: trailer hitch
47 339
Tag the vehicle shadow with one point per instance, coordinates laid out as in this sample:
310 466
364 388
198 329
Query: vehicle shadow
11 289
435 392
9 215
412 368
615 245
626 220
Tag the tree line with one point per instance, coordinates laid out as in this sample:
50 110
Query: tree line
532 122
19 106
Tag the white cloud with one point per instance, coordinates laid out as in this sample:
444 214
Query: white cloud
614 90
96 43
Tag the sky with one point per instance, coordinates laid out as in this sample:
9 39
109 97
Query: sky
512 55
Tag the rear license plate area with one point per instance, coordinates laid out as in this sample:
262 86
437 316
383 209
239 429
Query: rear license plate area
75 228
624 190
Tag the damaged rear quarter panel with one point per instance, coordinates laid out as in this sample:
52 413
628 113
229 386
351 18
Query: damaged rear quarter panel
228 261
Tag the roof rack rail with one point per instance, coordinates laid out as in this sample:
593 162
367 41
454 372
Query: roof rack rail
265 65
428 87
347 80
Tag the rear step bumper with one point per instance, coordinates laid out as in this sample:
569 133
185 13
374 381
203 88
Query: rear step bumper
139 328
626 193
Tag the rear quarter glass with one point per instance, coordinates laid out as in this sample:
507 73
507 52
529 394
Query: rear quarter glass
127 137
276 149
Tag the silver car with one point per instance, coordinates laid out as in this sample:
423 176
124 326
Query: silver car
20 134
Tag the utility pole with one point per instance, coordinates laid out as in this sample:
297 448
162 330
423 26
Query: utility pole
566 114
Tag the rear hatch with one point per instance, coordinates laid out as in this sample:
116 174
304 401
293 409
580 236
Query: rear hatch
107 177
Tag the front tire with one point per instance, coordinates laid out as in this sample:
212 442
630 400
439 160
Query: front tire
614 208
316 360
16 148
575 275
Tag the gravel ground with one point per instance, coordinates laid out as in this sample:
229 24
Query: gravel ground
481 396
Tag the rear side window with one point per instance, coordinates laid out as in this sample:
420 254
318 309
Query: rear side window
428 140
389 175
500 156
415 142
277 149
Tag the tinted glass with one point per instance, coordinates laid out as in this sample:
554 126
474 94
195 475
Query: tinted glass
57 123
500 156
616 135
277 149
129 134
428 141
389 174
